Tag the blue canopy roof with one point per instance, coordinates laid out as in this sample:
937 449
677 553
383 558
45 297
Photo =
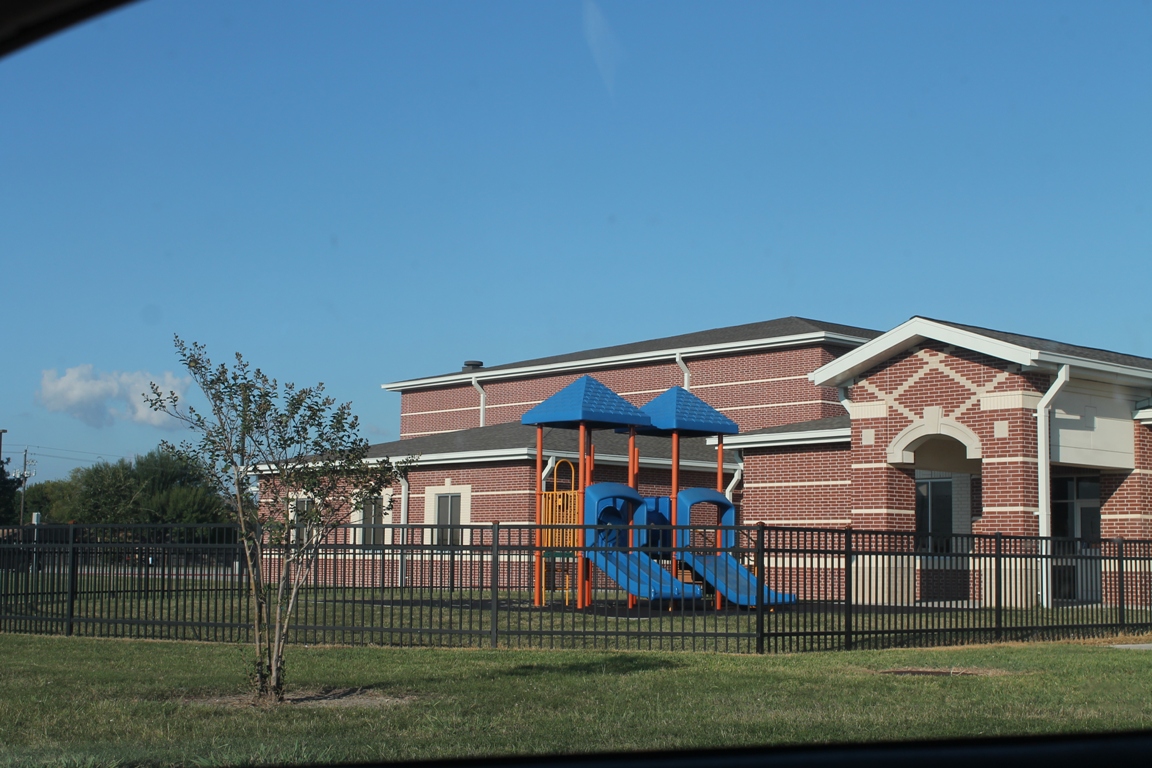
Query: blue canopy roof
586 400
681 411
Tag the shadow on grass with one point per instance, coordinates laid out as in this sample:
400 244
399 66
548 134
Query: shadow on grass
614 664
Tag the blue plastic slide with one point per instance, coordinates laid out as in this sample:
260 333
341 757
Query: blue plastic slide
731 579
606 545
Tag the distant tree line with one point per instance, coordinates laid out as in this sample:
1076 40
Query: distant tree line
162 486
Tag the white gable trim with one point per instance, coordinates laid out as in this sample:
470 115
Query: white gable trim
918 329
907 335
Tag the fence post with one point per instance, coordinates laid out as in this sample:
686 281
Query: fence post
1122 598
761 567
998 595
847 589
495 571
71 605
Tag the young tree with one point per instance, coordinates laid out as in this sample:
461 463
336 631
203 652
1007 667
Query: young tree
302 447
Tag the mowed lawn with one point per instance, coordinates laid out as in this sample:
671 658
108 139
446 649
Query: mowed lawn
72 701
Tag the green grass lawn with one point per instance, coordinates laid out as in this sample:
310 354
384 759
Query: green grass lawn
72 701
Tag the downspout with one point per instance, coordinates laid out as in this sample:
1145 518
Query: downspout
551 465
737 476
845 401
1044 450
684 367
1044 481
404 494
483 398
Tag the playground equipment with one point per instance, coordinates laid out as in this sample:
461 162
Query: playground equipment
622 531
721 570
608 512
585 404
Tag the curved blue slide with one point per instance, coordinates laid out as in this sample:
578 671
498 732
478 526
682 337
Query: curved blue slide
725 573
606 545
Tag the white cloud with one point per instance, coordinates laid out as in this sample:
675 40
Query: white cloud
100 398
606 51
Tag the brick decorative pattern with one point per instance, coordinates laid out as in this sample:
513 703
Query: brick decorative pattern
952 380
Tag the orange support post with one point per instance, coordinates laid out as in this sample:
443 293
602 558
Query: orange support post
632 468
538 566
719 489
581 470
591 479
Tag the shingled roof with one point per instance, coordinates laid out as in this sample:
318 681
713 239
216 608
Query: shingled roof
1055 347
514 437
766 331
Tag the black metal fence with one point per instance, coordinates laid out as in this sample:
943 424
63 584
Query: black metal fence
512 585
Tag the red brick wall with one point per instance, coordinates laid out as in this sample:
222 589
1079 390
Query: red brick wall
755 390
1126 497
803 486
506 492
952 379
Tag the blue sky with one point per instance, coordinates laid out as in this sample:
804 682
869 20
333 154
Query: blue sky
357 193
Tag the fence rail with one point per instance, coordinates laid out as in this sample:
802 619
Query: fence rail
785 590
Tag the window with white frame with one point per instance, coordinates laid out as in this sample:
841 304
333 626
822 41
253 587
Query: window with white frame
375 513
448 509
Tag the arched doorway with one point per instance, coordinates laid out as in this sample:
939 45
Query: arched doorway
948 500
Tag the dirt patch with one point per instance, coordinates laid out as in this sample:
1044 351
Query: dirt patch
950 672
327 697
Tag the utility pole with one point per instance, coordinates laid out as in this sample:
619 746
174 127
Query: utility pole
2 432
23 485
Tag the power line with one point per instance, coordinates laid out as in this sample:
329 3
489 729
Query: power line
67 450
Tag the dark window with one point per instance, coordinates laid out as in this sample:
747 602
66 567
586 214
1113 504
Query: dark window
448 519
934 514
373 516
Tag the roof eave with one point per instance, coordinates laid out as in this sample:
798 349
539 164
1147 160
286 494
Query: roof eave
795 340
525 454
777 439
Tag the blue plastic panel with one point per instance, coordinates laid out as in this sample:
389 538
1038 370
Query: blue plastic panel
681 411
586 400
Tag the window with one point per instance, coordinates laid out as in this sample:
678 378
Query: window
1076 509
934 515
447 513
374 512
302 510
448 531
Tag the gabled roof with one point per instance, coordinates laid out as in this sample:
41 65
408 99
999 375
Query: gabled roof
517 442
586 401
681 411
1029 351
782 332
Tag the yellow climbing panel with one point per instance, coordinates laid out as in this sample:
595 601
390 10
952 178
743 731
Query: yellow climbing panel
561 508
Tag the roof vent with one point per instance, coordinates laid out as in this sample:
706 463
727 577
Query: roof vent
472 365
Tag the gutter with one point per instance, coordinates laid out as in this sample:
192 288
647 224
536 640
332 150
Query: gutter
529 454
810 437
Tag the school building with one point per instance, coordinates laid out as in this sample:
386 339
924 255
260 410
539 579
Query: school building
932 426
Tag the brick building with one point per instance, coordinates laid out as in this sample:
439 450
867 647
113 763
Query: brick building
931 426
